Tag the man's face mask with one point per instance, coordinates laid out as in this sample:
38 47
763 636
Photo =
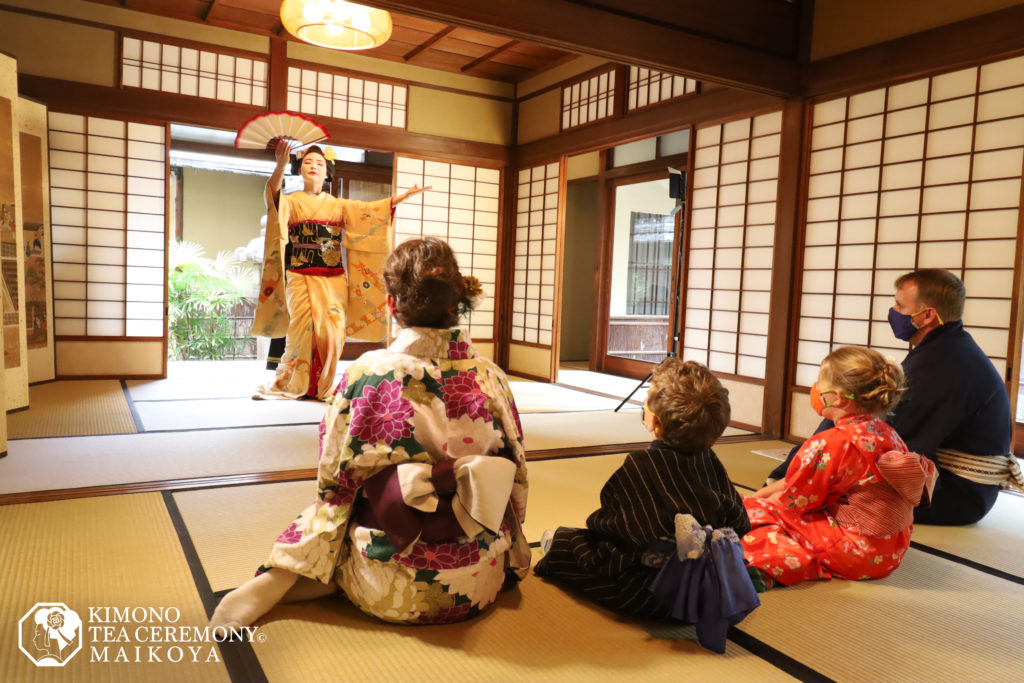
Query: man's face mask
902 324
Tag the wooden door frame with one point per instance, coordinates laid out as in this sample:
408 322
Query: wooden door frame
600 361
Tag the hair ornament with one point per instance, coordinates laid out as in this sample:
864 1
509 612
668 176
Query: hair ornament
473 292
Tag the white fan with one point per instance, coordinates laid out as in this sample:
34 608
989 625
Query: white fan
266 130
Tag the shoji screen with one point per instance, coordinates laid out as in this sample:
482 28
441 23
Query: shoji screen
108 187
647 87
917 175
189 71
588 100
729 256
345 97
461 207
536 277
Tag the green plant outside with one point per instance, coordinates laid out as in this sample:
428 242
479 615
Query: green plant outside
202 293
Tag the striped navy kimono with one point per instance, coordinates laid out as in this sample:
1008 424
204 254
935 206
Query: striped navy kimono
638 505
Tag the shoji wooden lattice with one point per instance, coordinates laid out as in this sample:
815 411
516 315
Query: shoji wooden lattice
107 204
588 100
917 175
345 97
648 86
731 238
533 288
190 71
461 207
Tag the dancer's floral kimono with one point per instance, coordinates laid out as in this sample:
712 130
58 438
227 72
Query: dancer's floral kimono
847 509
320 302
422 484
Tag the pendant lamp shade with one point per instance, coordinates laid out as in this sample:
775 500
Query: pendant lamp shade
336 24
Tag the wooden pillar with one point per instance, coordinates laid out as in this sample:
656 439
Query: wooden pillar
277 90
791 200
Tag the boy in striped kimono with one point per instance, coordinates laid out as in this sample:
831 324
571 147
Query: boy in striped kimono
687 409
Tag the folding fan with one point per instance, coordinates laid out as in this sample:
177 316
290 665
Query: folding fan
266 130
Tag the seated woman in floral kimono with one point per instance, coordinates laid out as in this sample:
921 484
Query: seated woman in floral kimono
422 478
846 506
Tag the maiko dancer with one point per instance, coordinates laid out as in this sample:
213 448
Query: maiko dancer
323 299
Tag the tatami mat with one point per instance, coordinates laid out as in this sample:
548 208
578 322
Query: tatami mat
117 551
540 397
996 541
226 412
233 528
564 491
744 466
74 462
535 633
72 408
551 431
611 385
192 379
538 633
930 620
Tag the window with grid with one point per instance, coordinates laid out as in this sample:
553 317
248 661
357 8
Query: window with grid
647 87
731 238
533 288
107 208
462 208
917 175
190 71
649 270
588 100
347 97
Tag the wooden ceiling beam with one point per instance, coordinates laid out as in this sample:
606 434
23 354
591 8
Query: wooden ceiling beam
428 42
490 55
619 38
209 10
999 34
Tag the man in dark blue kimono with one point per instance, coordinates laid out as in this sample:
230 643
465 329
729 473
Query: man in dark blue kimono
955 410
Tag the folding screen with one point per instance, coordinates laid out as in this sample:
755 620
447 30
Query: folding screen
35 193
536 276
108 182
917 175
12 242
729 256
462 207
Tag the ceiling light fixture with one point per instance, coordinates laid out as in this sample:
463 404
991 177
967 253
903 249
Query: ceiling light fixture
336 24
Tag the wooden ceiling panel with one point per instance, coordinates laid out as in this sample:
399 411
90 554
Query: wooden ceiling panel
427 42
461 47
470 36
185 9
415 23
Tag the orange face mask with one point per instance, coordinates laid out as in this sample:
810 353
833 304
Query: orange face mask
818 403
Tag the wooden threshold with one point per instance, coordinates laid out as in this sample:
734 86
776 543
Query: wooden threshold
150 486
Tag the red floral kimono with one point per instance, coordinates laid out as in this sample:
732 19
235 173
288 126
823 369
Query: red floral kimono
847 509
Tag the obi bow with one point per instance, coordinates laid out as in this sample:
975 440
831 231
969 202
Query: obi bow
455 497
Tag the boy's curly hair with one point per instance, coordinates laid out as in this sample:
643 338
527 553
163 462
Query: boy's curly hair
690 402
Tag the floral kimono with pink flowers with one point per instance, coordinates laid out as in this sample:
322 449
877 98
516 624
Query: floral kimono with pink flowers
425 403
839 515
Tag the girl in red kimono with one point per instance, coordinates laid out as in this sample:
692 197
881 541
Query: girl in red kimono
845 508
